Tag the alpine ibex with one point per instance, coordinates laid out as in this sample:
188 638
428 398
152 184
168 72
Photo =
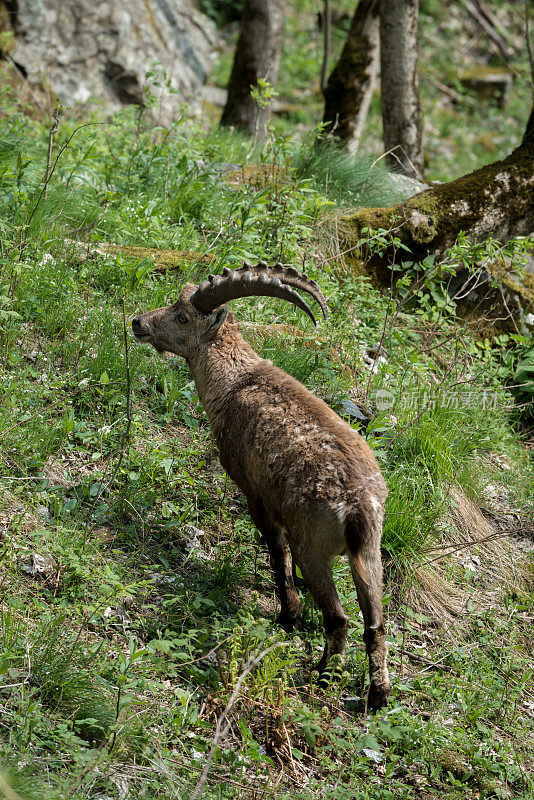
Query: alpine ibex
313 487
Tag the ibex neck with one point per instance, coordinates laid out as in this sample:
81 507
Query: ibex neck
220 367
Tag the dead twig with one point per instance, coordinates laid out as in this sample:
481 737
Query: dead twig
126 433
49 409
429 405
430 663
529 44
378 350
485 19
46 180
223 724
447 549
52 132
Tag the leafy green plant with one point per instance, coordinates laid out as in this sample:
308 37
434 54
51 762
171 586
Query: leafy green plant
523 386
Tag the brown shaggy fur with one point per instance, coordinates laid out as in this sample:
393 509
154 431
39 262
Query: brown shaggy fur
313 487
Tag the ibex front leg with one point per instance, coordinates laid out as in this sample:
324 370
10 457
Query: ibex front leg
282 564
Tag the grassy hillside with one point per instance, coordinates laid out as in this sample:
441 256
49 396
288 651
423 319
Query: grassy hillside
139 654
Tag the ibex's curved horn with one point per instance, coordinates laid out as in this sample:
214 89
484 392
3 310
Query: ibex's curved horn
291 277
258 280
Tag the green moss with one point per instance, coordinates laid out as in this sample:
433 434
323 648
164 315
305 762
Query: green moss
454 763
528 282
525 290
163 259
461 205
485 72
422 227
495 197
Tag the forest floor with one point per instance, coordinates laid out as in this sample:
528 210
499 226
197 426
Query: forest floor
139 656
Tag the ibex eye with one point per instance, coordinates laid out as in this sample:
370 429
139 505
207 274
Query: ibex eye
182 319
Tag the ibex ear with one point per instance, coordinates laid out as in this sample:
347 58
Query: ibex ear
215 321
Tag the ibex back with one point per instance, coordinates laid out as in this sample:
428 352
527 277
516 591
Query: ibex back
313 487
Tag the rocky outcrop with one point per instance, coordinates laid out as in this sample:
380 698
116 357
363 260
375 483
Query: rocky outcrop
97 52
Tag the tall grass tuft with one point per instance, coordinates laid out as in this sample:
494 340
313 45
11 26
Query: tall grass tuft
64 674
438 451
349 180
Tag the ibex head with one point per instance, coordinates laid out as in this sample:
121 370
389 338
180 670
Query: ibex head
199 312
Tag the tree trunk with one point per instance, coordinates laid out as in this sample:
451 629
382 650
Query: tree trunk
327 40
400 88
350 86
496 200
257 55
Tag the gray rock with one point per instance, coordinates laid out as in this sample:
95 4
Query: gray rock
38 565
352 411
373 755
215 95
193 536
96 53
488 81
354 704
529 264
406 185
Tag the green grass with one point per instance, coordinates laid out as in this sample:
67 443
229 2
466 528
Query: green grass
116 665
349 180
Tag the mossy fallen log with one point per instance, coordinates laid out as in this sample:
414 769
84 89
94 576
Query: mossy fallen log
163 259
496 200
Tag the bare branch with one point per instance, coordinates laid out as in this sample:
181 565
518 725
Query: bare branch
251 664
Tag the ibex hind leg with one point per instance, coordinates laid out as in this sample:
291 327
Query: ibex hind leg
290 616
320 583
366 568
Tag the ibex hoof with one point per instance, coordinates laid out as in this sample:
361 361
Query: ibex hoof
377 697
288 622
